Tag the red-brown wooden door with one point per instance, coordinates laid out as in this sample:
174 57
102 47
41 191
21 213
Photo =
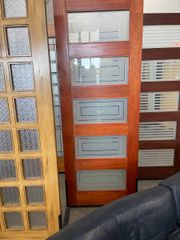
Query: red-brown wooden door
99 62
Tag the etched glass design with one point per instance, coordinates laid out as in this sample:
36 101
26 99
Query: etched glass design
35 195
18 41
106 26
5 141
15 8
7 170
37 220
22 76
29 140
99 71
32 168
9 195
26 109
13 220
4 111
2 82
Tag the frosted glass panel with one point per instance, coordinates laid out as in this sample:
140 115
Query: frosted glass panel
98 26
100 111
7 170
35 195
22 76
18 41
9 195
37 220
32 168
4 111
26 109
5 141
99 71
15 8
101 147
2 82
101 180
13 220
29 140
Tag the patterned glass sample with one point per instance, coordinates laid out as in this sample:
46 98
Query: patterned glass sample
100 111
5 141
98 26
37 220
18 41
93 180
2 82
22 76
7 170
15 8
32 168
101 147
4 111
29 140
13 220
35 195
9 195
99 71
26 109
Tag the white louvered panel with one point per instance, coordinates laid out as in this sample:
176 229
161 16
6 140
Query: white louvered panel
161 36
160 70
156 158
159 101
157 131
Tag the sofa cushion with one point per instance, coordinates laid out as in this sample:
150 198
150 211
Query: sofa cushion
173 183
148 215
175 235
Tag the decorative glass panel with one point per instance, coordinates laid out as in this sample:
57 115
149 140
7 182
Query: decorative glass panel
18 41
2 82
162 36
13 220
4 111
93 180
156 157
26 109
15 8
100 111
5 141
159 101
157 131
7 170
101 147
35 195
29 140
161 70
22 76
37 220
98 26
32 168
99 71
9 195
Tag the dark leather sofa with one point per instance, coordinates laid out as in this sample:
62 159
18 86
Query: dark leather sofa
153 214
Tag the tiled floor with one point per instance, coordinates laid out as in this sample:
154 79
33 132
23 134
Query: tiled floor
79 212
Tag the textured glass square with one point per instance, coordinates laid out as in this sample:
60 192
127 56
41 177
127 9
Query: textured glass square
7 170
29 140
32 168
37 220
4 111
35 195
26 109
5 141
2 82
22 77
13 220
18 41
15 8
9 196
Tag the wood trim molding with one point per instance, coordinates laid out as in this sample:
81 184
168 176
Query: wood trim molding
161 19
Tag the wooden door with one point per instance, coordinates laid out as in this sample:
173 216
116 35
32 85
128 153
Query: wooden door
99 60
28 209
